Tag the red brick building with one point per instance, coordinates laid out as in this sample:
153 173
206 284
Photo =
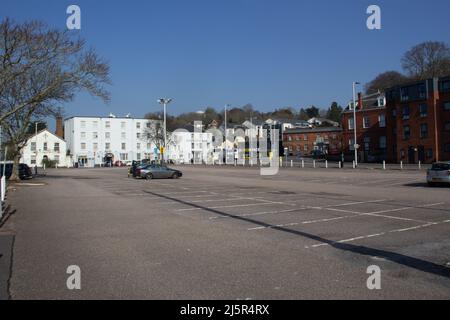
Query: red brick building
418 121
371 134
305 140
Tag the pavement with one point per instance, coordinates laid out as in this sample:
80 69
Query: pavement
230 233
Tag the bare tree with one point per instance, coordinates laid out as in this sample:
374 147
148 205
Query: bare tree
154 133
41 68
427 60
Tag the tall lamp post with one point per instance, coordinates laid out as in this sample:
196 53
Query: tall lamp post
165 102
355 145
226 140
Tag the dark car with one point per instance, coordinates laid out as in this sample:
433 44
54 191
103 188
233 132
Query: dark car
159 172
24 171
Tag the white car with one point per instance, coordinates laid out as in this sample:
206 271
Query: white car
439 173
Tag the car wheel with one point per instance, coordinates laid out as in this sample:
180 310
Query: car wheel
149 176
175 176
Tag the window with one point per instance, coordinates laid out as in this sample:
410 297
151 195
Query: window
83 124
107 146
447 106
94 135
149 146
381 102
423 109
305 137
447 147
305 148
33 159
447 126
83 146
138 156
405 112
422 91
404 94
123 125
56 147
124 156
124 146
83 135
95 146
383 142
33 146
289 138
423 131
351 144
350 124
366 122
138 135
138 146
290 148
138 125
382 121
56 158
95 124
123 135
107 135
45 146
446 85
406 132
108 124
429 153
394 113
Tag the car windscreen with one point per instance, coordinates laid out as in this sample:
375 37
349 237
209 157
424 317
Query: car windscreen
441 166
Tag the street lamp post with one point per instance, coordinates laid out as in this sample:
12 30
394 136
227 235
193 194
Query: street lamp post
226 140
355 145
165 102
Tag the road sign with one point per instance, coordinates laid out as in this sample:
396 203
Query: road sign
357 146
162 149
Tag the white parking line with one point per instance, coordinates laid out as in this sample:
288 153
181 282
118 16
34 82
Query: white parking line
430 224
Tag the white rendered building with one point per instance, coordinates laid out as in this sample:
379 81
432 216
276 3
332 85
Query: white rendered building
191 146
45 145
96 141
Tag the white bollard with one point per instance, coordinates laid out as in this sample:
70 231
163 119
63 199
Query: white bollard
384 165
354 164
314 163
292 163
326 164
3 188
303 163
420 165
401 165
340 165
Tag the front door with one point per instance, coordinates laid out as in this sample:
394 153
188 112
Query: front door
411 155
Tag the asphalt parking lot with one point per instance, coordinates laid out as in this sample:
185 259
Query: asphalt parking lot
229 233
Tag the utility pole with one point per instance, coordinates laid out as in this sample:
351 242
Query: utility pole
164 102
226 140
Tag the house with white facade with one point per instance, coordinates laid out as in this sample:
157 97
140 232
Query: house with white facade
45 145
97 141
191 145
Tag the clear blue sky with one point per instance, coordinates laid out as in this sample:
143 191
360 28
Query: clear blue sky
213 52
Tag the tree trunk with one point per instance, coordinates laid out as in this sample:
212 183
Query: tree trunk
15 171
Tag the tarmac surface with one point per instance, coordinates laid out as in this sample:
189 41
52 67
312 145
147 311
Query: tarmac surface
228 233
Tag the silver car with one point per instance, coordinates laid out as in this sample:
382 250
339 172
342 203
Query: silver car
439 173
155 171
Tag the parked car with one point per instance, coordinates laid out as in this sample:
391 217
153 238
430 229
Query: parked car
439 173
119 163
24 171
159 172
135 167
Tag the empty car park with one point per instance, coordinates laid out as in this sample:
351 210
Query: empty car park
229 233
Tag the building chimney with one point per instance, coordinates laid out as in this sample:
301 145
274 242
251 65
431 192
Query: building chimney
59 127
360 101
